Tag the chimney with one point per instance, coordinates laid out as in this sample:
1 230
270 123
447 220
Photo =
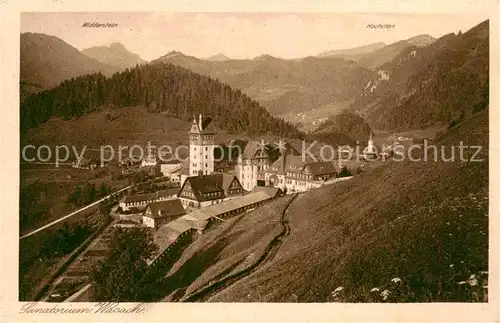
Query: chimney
201 122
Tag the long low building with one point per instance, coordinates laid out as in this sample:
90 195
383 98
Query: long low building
173 236
140 201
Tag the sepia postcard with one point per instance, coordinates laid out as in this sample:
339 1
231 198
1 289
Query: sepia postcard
278 162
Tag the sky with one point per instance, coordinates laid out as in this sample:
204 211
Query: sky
241 35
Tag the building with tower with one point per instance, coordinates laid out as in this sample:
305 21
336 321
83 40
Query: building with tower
203 186
201 147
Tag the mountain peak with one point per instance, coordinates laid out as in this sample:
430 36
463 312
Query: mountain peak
117 45
115 55
264 57
218 58
174 53
421 40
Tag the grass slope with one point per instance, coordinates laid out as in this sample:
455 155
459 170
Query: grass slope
423 222
126 126
224 250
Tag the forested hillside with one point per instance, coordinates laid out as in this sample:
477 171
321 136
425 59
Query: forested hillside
345 128
173 90
282 85
444 82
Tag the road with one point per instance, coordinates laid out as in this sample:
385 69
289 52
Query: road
72 213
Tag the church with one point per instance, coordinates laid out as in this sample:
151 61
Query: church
204 186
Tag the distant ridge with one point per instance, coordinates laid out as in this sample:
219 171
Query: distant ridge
283 85
115 54
353 51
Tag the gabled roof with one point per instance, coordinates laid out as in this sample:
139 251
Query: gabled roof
251 150
166 208
209 184
295 163
297 146
320 168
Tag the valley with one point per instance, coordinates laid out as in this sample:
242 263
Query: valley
267 223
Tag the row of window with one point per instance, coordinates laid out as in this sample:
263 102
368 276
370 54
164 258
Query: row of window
302 176
212 194
206 148
196 164
300 183
188 194
204 137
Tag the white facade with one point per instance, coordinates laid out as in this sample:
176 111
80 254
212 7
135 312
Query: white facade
370 152
252 164
172 171
147 221
201 149
149 160
249 171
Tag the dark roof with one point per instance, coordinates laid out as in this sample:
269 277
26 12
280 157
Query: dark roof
295 163
252 148
209 184
206 126
138 198
151 196
299 145
321 168
166 208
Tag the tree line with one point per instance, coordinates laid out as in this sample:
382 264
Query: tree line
85 195
160 87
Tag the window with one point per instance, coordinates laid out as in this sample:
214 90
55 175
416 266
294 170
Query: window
206 148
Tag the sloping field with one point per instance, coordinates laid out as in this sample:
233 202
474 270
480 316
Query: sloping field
423 223
225 249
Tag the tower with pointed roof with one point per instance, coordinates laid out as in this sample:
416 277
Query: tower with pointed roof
201 147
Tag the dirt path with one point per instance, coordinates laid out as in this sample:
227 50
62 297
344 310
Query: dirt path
208 291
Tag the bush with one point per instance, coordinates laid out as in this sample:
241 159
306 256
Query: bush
344 172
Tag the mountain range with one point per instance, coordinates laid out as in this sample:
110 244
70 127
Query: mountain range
411 84
349 52
443 82
282 85
373 55
46 61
